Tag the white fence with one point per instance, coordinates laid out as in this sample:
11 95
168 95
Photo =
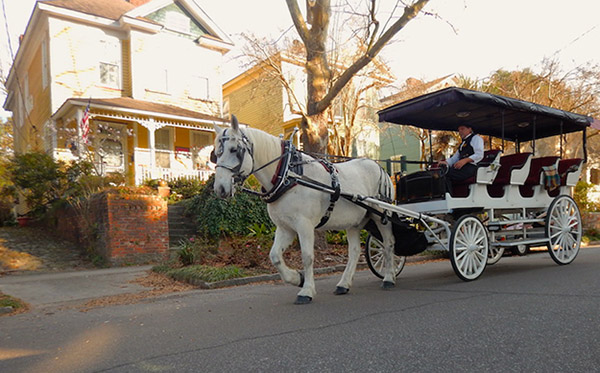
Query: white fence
169 165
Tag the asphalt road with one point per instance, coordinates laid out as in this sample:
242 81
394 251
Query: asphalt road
523 314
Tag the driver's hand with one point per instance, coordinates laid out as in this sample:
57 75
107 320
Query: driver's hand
458 165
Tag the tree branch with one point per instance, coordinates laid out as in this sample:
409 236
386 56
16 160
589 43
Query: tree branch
298 20
410 12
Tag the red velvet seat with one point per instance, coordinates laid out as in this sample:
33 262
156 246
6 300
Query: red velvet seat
508 164
461 189
565 167
534 176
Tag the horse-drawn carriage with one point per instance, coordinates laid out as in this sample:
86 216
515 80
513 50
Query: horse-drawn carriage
515 201
504 206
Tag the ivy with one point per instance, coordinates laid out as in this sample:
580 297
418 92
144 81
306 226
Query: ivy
218 217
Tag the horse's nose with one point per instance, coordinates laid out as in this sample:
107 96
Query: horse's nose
221 191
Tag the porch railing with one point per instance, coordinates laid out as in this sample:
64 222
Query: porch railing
181 166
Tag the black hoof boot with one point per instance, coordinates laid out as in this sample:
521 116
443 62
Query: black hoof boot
301 279
302 299
387 285
341 290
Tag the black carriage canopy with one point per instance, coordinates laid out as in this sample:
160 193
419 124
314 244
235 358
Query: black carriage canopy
488 114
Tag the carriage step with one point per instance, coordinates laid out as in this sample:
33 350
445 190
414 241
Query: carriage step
510 243
517 221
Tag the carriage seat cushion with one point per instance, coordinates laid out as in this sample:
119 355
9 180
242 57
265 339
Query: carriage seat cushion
566 169
508 164
461 188
535 170
489 156
538 165
567 166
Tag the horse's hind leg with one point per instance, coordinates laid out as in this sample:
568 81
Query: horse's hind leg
343 286
389 279
283 239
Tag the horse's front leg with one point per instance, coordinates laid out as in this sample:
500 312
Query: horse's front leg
306 236
345 282
283 239
389 279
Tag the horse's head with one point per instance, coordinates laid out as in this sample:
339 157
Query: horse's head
233 155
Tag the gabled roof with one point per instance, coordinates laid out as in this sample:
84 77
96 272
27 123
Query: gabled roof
111 9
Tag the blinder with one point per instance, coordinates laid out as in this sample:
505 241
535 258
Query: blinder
240 152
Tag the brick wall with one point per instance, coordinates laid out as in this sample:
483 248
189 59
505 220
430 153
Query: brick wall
122 229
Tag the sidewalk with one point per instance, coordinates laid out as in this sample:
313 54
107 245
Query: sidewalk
46 289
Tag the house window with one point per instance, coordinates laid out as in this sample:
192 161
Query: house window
177 22
163 144
110 141
159 81
201 148
109 74
199 88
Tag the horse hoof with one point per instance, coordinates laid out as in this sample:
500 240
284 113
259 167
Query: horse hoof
302 299
301 279
386 285
341 290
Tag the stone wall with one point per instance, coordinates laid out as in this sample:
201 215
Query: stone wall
121 228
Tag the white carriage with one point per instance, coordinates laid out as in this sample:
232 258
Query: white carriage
506 205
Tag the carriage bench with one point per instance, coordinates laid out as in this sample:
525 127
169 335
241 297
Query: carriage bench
533 182
514 169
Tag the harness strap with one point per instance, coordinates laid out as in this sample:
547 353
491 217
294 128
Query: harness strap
335 184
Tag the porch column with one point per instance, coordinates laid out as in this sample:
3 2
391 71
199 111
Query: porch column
151 126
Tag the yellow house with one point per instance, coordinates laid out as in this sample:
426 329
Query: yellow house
146 73
259 99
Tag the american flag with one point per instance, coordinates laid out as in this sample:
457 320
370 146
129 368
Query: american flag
85 125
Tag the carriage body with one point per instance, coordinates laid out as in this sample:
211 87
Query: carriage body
507 204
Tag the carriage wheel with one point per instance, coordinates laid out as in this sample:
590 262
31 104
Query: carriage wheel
563 229
494 254
469 247
374 256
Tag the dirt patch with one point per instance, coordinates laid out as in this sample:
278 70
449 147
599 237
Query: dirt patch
158 283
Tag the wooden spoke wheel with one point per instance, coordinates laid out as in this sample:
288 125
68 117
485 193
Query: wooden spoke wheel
469 247
563 229
374 257
494 254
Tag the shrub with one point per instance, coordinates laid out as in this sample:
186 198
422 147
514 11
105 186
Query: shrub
181 188
218 217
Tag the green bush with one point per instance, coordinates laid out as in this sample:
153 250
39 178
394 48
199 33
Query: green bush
580 195
181 188
217 217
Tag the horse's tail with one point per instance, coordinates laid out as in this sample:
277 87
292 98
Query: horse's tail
386 186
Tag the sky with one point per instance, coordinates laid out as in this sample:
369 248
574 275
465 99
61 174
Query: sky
469 37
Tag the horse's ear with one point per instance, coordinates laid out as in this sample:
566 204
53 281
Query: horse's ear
218 129
235 125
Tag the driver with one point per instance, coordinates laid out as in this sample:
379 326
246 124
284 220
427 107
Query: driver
462 165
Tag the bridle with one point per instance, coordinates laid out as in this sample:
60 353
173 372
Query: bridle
244 147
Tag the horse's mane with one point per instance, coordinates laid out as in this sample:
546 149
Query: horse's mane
266 146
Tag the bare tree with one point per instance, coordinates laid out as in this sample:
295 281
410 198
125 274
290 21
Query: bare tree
323 86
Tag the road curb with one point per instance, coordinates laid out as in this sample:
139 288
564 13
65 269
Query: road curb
275 276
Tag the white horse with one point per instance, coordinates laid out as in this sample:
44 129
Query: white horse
240 153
